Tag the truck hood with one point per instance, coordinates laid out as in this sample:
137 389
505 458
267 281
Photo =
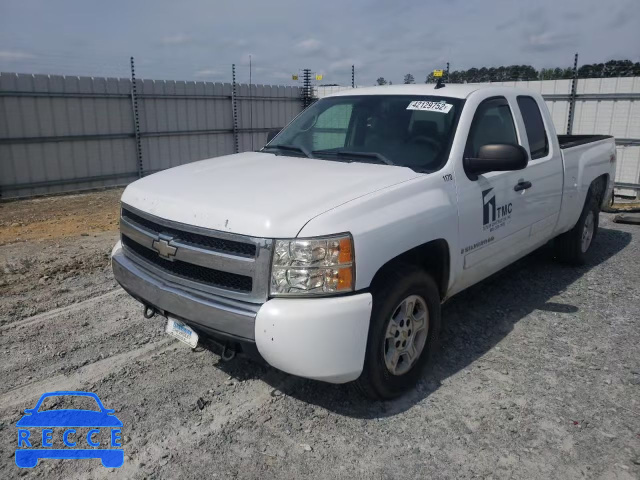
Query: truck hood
257 194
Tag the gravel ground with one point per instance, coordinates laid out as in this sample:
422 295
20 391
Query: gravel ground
538 377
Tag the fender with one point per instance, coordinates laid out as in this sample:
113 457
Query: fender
583 164
393 221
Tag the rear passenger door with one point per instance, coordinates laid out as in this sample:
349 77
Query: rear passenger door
544 172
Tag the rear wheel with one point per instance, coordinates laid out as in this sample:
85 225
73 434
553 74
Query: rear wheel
572 247
405 323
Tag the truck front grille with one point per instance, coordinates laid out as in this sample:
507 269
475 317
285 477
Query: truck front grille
196 258
189 271
202 241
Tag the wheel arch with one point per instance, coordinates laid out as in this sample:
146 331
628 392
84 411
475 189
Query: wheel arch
598 187
433 256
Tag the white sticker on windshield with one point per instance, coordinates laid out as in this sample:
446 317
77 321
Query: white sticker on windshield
427 106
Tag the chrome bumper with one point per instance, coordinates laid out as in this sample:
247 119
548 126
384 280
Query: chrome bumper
209 312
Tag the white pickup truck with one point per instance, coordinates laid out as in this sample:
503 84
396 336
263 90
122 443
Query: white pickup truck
329 252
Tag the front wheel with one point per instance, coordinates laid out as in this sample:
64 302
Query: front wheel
405 323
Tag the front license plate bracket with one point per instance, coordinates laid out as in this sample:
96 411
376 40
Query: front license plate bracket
182 332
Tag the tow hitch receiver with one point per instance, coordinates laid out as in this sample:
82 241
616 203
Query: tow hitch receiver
228 353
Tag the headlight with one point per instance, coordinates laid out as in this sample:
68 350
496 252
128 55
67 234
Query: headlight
313 266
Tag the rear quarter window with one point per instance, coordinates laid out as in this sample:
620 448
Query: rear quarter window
536 133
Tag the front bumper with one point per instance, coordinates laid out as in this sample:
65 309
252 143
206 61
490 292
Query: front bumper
320 338
210 313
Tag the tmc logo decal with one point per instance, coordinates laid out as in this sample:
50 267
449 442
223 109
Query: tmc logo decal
494 216
69 433
488 207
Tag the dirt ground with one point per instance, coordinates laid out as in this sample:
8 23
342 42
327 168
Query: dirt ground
59 216
538 374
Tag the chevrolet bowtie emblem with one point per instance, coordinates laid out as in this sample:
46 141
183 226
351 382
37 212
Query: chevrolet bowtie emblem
163 246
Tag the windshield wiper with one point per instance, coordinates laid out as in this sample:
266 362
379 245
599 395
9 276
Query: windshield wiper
347 153
290 148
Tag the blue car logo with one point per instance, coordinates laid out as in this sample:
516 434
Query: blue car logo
32 447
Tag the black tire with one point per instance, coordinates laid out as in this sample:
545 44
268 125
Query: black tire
376 381
569 246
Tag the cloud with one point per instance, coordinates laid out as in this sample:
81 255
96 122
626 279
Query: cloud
177 39
624 16
506 25
572 15
534 20
340 65
310 45
548 40
208 73
14 55
281 76
382 38
244 59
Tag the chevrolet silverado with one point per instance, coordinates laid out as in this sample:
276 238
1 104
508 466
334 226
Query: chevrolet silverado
329 252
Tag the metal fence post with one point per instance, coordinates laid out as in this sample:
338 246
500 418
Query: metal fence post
307 92
250 103
572 101
234 107
136 118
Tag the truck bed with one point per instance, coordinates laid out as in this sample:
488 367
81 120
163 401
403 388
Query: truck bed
568 141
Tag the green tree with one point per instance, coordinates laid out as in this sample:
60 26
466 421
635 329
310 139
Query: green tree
381 81
529 73
546 74
408 78
612 68
456 77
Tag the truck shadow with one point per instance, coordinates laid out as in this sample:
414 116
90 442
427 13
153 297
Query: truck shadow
474 321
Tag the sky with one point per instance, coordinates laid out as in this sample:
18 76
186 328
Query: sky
199 40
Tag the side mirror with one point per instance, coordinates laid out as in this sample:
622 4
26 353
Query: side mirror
272 134
498 157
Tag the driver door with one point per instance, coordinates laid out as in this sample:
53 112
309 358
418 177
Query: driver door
493 227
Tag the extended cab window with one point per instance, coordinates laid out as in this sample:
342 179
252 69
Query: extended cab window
533 124
412 131
492 123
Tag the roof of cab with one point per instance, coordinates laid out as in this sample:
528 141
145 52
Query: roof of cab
458 90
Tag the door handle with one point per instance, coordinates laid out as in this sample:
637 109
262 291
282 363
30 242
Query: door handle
522 185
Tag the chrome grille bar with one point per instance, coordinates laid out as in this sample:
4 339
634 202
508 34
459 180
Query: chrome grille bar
256 267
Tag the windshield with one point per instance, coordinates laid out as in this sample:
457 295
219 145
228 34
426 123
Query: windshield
412 131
